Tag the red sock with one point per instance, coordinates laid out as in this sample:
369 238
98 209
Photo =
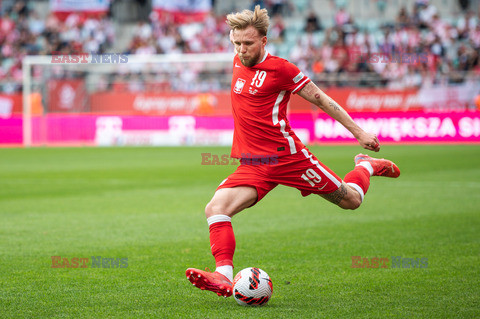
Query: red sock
359 179
222 239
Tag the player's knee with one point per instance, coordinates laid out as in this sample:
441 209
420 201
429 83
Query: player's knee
352 203
214 208
209 210
355 204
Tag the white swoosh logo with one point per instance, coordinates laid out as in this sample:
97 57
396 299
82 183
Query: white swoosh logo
320 188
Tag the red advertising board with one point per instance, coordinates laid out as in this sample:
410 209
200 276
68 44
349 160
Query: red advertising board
161 104
12 104
366 100
218 103
70 96
404 127
67 96
89 129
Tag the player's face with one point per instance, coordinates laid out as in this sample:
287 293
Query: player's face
249 45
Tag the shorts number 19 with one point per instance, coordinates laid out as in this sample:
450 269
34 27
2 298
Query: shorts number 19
311 177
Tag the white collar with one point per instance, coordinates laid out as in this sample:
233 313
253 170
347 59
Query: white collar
264 57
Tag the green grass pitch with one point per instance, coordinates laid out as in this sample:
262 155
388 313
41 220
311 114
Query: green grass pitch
147 205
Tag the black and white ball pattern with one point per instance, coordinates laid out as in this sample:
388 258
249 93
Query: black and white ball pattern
252 287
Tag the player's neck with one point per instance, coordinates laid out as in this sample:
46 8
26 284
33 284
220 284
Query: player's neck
260 60
265 53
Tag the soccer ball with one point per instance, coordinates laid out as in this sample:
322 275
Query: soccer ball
252 287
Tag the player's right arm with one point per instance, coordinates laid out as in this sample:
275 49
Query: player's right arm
315 95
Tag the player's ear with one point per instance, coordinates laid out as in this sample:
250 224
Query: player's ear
264 41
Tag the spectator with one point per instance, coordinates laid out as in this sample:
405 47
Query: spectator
403 18
277 30
283 7
36 25
341 16
412 79
143 30
254 3
466 23
426 12
312 23
464 5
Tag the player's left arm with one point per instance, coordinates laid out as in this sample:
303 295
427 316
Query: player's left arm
315 95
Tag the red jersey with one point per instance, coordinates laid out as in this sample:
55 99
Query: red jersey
260 95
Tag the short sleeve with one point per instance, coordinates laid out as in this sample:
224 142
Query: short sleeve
291 78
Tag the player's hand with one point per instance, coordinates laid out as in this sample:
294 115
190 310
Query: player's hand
369 141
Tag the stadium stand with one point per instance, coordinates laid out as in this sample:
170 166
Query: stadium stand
327 39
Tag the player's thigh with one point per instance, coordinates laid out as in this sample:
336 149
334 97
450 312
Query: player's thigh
230 201
306 173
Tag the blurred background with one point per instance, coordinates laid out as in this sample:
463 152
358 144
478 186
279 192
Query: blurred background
154 72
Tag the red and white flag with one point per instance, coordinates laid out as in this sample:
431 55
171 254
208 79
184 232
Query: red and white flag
63 8
182 11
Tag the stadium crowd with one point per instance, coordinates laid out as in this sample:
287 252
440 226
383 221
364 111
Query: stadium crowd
421 46
23 33
334 55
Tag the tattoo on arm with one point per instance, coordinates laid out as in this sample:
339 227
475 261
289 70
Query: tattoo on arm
313 94
336 196
310 93
334 105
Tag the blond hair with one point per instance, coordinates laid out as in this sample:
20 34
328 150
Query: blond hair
258 19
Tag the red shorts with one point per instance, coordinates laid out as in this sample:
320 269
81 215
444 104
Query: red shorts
301 170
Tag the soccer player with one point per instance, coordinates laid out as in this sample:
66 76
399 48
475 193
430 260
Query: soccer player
261 88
